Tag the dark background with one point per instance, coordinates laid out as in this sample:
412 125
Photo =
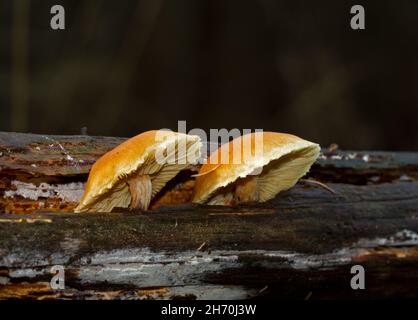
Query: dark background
123 67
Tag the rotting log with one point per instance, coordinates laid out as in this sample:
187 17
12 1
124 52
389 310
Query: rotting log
69 156
47 173
301 245
49 155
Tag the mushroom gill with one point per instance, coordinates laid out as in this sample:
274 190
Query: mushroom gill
135 171
283 161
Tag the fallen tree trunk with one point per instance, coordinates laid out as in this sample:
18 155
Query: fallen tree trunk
69 156
48 173
302 244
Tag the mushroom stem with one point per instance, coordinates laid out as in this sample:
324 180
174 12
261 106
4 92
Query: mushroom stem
140 188
246 190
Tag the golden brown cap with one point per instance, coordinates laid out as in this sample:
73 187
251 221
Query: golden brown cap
280 162
106 186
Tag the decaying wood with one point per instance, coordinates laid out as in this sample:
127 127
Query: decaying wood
60 161
304 241
301 244
48 155
67 156
41 162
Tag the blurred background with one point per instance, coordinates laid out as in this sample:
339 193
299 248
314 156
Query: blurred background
123 67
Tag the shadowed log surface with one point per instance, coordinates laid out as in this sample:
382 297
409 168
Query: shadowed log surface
300 245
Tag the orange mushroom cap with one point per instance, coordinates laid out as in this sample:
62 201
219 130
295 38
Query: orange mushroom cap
107 186
280 162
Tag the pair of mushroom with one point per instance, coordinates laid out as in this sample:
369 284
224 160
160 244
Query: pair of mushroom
134 172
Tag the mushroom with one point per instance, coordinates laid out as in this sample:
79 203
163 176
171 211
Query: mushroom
261 172
131 174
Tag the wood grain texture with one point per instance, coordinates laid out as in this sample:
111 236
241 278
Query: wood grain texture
304 240
49 155
300 245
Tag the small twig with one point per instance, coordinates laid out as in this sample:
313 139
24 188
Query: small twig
201 246
264 289
317 183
